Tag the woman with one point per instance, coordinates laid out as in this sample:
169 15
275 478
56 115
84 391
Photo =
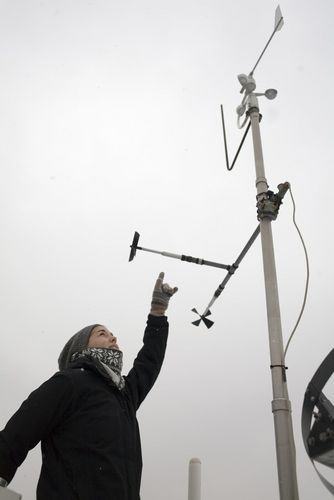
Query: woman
85 415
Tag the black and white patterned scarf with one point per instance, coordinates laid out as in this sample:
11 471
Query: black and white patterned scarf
110 360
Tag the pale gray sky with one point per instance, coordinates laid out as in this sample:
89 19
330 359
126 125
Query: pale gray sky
110 123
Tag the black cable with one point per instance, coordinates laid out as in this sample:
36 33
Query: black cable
225 142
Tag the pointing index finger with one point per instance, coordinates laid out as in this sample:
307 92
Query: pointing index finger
158 283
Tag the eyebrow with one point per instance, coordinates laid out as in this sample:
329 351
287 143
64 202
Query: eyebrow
101 329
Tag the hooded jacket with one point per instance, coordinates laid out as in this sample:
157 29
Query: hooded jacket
87 427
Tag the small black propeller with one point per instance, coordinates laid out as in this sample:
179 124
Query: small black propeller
208 323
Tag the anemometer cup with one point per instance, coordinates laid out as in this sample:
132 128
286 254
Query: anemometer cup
134 246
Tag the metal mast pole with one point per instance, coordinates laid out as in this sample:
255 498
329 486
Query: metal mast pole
281 407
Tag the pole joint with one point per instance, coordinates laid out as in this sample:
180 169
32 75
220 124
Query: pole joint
254 109
268 203
280 404
232 268
194 260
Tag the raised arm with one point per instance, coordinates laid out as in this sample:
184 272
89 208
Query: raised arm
147 364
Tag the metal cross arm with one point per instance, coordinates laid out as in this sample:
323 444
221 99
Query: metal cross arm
186 258
231 271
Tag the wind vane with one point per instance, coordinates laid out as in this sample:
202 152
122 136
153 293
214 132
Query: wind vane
247 87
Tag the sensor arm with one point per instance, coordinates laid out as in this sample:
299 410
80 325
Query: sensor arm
186 258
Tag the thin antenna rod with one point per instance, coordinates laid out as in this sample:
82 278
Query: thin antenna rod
278 26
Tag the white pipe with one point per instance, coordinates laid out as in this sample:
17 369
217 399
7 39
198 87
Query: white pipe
281 406
194 479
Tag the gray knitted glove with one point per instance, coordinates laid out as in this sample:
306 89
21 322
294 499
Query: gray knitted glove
161 294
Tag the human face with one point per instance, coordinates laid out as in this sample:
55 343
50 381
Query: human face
102 337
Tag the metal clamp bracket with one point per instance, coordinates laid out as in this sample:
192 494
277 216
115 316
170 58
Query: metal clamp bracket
280 404
268 203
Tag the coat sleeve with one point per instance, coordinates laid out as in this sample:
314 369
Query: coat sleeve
38 415
148 362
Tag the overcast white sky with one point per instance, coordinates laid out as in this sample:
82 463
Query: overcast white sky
110 123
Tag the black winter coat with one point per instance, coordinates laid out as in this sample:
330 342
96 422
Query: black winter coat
87 427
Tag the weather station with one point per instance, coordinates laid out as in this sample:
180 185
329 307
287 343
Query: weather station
319 441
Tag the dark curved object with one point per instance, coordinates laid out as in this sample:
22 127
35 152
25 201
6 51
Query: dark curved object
318 426
134 246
